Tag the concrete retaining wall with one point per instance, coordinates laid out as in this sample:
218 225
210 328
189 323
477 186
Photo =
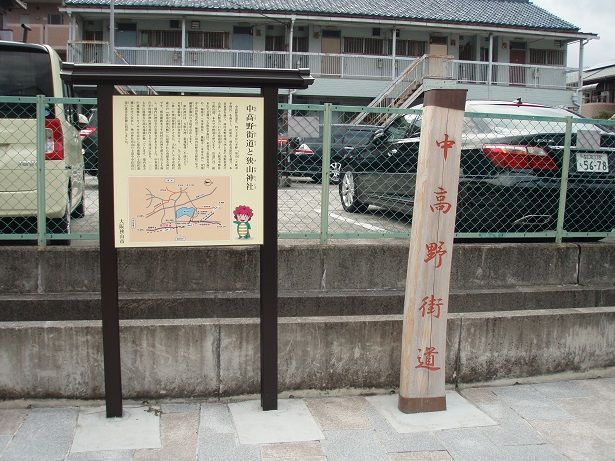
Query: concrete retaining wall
220 357
516 310
314 280
369 266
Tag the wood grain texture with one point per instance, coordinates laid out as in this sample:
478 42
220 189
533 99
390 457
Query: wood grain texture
429 262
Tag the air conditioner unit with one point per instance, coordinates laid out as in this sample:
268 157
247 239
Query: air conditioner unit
376 32
174 24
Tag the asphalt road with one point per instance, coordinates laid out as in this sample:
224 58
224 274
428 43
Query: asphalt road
299 212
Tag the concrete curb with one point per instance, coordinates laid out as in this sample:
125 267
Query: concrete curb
220 357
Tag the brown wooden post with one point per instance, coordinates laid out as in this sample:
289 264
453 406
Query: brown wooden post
431 246
269 257
108 257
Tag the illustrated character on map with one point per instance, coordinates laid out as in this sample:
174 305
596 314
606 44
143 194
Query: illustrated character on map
243 214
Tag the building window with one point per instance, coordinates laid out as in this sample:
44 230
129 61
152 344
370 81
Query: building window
126 26
275 43
408 48
55 19
93 35
301 44
161 38
547 57
365 45
208 40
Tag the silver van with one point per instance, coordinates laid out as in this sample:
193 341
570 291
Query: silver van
28 70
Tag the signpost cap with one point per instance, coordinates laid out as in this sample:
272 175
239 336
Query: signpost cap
447 99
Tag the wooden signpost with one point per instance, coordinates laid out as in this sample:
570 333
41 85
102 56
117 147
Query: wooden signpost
429 264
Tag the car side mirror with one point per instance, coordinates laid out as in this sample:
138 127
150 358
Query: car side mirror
294 143
80 120
378 138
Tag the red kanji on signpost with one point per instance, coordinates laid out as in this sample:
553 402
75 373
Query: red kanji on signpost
435 250
445 144
427 359
424 338
441 204
431 305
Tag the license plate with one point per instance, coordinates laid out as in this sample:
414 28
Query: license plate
593 163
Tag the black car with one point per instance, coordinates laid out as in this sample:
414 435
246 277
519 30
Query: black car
510 171
89 139
305 154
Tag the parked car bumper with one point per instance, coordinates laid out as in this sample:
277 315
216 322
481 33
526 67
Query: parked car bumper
24 203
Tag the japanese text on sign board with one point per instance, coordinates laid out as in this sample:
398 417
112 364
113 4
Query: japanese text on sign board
188 170
195 135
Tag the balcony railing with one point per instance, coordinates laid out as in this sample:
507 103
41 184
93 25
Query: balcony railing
527 75
321 65
326 65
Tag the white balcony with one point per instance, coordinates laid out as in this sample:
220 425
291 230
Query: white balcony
338 66
526 75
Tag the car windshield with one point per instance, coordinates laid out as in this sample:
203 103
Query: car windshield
358 137
23 73
399 127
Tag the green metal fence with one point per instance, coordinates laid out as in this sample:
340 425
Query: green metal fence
45 193
535 173
526 172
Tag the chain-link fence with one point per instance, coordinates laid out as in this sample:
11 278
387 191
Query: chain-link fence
526 171
46 193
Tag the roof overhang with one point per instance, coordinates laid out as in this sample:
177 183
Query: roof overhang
484 28
13 4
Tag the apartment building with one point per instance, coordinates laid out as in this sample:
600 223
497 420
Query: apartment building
357 50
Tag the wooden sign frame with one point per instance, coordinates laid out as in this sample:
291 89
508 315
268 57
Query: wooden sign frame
106 77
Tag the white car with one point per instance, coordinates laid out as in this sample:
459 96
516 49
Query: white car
29 70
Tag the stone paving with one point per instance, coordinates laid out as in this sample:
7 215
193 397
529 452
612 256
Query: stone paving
549 421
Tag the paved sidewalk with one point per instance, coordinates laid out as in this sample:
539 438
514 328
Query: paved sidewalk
549 421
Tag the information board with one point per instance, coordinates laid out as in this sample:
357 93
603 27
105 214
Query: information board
188 171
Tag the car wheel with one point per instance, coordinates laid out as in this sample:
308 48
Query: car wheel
90 162
335 172
79 211
348 194
61 225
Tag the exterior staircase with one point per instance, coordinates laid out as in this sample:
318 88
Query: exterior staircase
93 52
405 89
128 89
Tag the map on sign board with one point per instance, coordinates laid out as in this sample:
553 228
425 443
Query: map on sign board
178 209
188 171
